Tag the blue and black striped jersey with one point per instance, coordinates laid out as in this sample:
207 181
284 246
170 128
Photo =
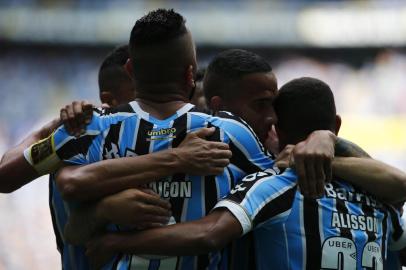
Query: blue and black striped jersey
345 229
71 256
130 131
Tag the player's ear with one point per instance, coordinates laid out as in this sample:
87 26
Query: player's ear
128 66
338 123
108 98
216 103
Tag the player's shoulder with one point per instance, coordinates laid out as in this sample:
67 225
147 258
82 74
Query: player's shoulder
268 182
229 116
103 117
220 116
274 175
229 122
123 109
235 125
264 174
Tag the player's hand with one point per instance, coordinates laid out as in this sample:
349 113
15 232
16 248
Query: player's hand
76 116
99 250
312 159
272 141
141 208
285 157
198 156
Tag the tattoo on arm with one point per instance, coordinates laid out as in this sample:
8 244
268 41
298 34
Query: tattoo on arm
345 148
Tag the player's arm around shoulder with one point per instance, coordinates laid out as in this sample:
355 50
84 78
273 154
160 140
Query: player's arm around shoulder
250 200
195 155
25 162
210 233
346 148
49 154
15 170
381 180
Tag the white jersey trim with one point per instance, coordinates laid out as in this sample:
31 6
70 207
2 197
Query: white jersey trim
239 212
145 115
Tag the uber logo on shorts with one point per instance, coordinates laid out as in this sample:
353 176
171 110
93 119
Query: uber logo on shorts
41 150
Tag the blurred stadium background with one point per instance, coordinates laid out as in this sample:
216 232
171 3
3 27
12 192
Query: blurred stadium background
50 52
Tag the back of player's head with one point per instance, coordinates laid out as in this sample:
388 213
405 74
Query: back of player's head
115 84
161 48
229 66
112 73
304 105
198 98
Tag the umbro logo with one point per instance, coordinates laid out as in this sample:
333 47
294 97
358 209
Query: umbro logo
161 134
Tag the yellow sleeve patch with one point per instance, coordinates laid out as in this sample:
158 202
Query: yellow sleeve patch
42 156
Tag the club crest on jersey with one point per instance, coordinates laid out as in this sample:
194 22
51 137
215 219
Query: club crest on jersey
161 134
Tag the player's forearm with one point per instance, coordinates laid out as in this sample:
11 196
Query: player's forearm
212 232
383 181
82 183
15 171
345 148
181 239
169 242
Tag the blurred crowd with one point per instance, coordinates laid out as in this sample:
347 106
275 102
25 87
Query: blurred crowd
36 84
107 3
378 86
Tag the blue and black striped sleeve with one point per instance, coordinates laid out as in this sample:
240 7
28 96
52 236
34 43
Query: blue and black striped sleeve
249 155
49 154
89 147
261 197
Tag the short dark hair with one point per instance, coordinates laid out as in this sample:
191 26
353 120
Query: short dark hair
228 66
160 48
304 105
157 26
112 72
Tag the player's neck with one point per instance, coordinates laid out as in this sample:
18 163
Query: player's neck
160 110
